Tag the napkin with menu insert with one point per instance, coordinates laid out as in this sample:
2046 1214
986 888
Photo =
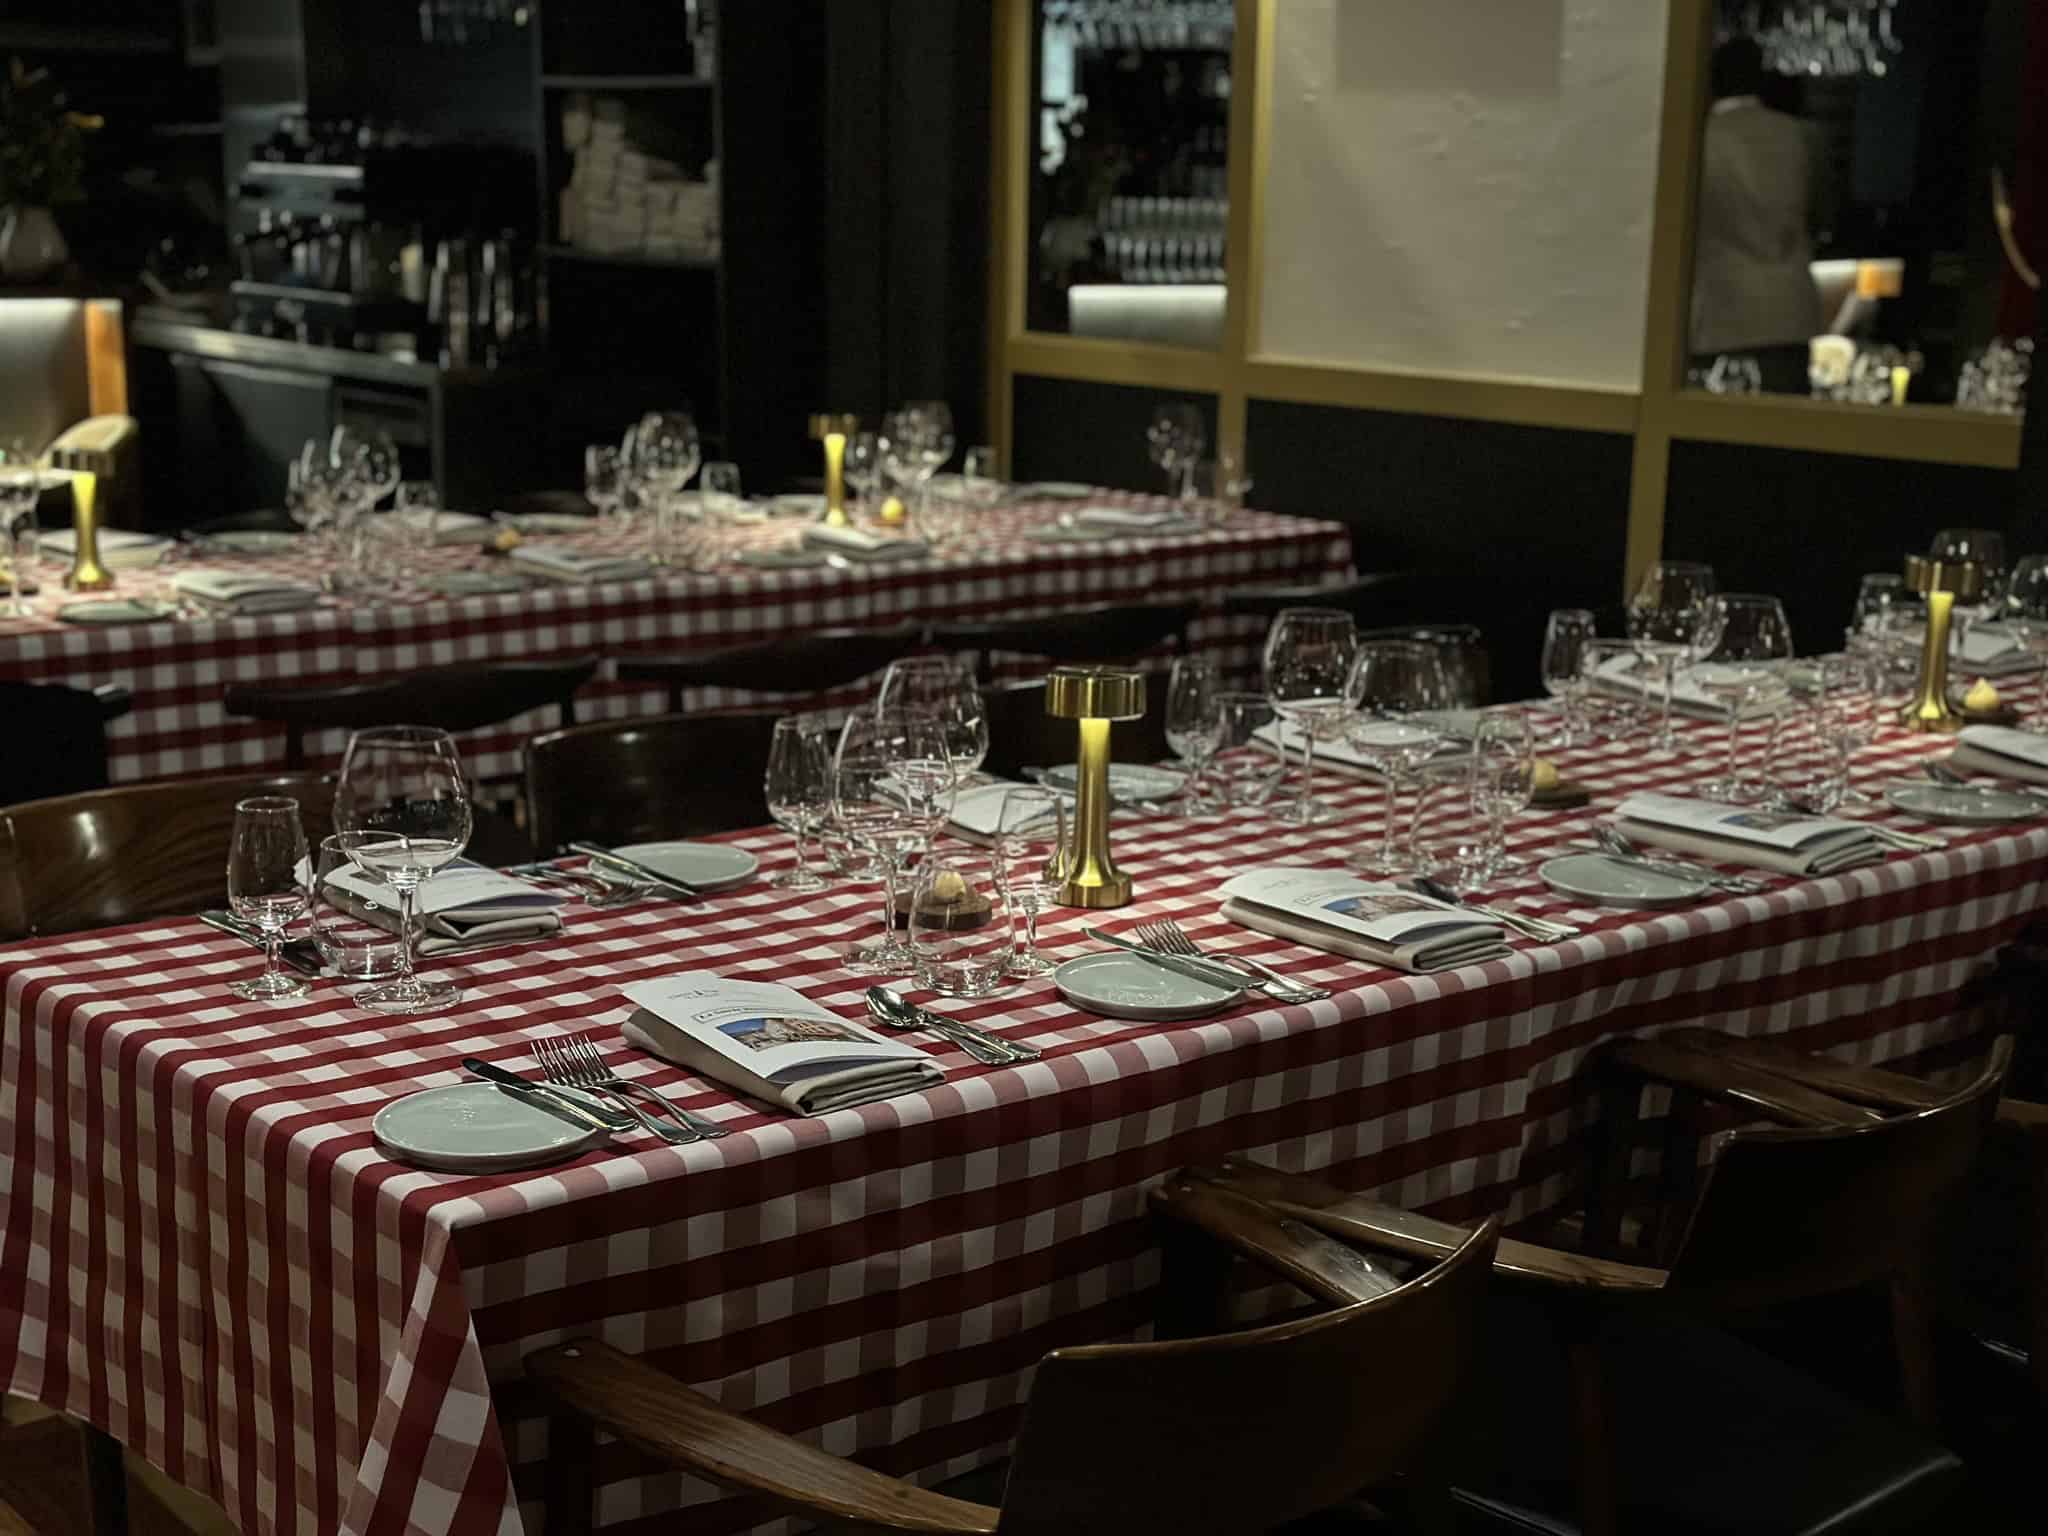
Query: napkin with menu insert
559 562
449 527
121 549
1135 519
1366 919
2003 751
859 544
772 1043
1785 841
242 593
464 906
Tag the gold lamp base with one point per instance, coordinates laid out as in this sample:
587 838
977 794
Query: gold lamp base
833 428
1093 697
86 573
1942 582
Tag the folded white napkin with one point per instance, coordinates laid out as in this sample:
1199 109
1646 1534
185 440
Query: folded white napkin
2002 751
859 544
1986 649
121 549
449 527
818 1095
246 594
1441 955
464 906
1134 519
1785 841
560 563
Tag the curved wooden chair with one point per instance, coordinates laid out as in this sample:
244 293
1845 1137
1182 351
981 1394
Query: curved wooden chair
454 698
1106 634
143 850
1676 1425
629 781
1022 735
790 665
1222 1434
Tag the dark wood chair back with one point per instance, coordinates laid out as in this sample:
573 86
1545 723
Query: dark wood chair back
1376 599
793 664
1108 634
456 698
629 781
1022 735
1788 1213
143 850
1245 1431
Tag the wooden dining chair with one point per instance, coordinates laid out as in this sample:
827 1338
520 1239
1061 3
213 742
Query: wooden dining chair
789 665
462 697
138 851
1022 735
1108 634
1675 1425
631 781
1229 1433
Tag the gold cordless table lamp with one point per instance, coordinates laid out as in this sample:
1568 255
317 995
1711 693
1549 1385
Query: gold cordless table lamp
1093 697
1943 581
86 574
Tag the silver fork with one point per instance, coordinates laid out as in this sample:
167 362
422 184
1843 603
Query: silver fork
1169 938
580 1056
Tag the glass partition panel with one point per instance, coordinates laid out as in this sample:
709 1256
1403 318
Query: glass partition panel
1129 188
1854 238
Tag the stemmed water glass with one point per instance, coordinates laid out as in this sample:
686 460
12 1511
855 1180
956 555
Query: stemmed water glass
267 886
945 689
1029 837
1665 617
1392 683
665 454
404 807
1307 660
1565 635
604 481
1745 666
1176 440
1194 724
891 791
798 783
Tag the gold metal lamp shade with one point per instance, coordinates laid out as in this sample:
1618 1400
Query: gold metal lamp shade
833 428
1943 581
1093 696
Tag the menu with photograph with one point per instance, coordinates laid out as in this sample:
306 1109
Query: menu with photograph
560 562
246 593
2003 751
1789 842
464 906
772 1042
1366 919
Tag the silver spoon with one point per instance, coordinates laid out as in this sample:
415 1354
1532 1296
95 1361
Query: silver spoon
892 1010
1617 846
1944 775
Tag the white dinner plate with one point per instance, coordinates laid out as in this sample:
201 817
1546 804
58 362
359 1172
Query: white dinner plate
1612 883
1952 802
1128 782
250 541
707 866
117 610
1125 987
477 1128
780 559
1058 490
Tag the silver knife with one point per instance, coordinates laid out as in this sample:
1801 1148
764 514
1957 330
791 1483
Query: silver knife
1201 970
576 1108
635 868
300 954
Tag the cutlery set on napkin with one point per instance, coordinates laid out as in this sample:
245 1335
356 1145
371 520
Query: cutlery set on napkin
465 906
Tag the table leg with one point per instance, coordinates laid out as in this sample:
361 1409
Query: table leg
106 1483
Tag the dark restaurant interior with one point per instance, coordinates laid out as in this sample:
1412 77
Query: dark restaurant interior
1038 765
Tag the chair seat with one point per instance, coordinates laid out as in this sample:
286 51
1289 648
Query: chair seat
1710 1437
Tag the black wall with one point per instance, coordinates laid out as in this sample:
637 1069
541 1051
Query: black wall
1064 430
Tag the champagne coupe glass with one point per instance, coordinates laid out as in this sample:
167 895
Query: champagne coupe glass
1564 650
945 689
1666 612
799 790
891 791
1391 684
1745 667
604 481
267 886
1030 827
666 453
1176 439
403 804
1194 726
1251 758
1308 659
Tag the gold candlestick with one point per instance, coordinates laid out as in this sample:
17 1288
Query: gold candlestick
87 574
1093 696
833 429
1943 582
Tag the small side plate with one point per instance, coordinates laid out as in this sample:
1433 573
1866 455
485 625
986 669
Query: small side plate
117 610
707 866
1128 782
1968 807
1126 987
1614 883
477 1128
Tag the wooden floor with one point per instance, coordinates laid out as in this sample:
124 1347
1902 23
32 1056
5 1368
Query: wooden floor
42 1484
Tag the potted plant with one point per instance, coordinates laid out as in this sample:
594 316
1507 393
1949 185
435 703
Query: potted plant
42 158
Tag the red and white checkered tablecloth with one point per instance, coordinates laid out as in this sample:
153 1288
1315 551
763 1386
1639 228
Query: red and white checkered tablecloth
204 1253
177 670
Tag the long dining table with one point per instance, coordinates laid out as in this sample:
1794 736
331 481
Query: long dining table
207 1255
1004 566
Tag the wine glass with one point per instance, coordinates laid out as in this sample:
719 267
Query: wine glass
1564 650
1030 838
1176 439
403 805
267 886
21 487
799 789
1307 660
935 439
960 923
1251 758
1194 723
604 480
862 465
665 454
944 688
1745 667
1664 619
368 464
891 791
419 512
1986 546
1391 685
